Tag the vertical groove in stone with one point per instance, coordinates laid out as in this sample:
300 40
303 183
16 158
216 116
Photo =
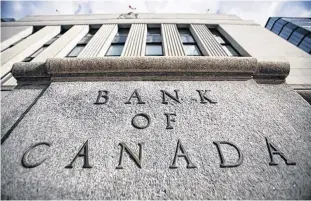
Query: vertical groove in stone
171 35
215 47
132 39
180 47
167 42
98 40
207 40
136 45
171 41
75 32
135 41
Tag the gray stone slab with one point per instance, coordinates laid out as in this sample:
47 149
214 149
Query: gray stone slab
245 113
15 103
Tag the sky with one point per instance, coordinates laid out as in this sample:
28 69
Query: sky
258 11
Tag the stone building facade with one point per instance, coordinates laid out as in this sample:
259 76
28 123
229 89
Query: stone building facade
36 38
152 106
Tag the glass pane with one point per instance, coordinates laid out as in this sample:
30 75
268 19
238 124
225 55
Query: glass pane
51 41
192 50
278 26
219 39
93 31
230 51
28 59
36 53
184 31
76 51
271 22
217 36
115 50
85 40
306 44
302 22
187 39
119 39
123 32
154 39
154 50
287 30
297 36
154 31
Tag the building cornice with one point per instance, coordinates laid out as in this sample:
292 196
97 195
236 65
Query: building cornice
152 68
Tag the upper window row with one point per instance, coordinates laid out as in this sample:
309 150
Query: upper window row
154 43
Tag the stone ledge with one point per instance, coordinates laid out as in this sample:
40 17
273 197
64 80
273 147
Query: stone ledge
272 70
306 94
30 70
152 68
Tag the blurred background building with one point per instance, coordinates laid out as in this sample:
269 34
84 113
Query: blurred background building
295 30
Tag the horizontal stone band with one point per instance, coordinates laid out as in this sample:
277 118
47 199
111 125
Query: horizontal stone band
152 68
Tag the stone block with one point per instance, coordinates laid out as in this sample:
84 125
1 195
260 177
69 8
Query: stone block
71 118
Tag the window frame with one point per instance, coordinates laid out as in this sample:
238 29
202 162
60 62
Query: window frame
157 33
114 45
188 33
83 42
122 32
226 43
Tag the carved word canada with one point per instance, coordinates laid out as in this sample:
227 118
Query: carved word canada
103 98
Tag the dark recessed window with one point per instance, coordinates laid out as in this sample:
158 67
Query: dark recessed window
305 44
82 43
288 30
297 36
39 51
115 50
76 51
35 54
191 50
154 42
189 44
271 22
226 46
154 50
278 26
118 42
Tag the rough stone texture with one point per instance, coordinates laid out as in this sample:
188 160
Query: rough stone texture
153 68
151 64
245 114
15 103
29 70
306 94
272 69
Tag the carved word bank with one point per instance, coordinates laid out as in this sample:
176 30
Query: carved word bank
180 153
